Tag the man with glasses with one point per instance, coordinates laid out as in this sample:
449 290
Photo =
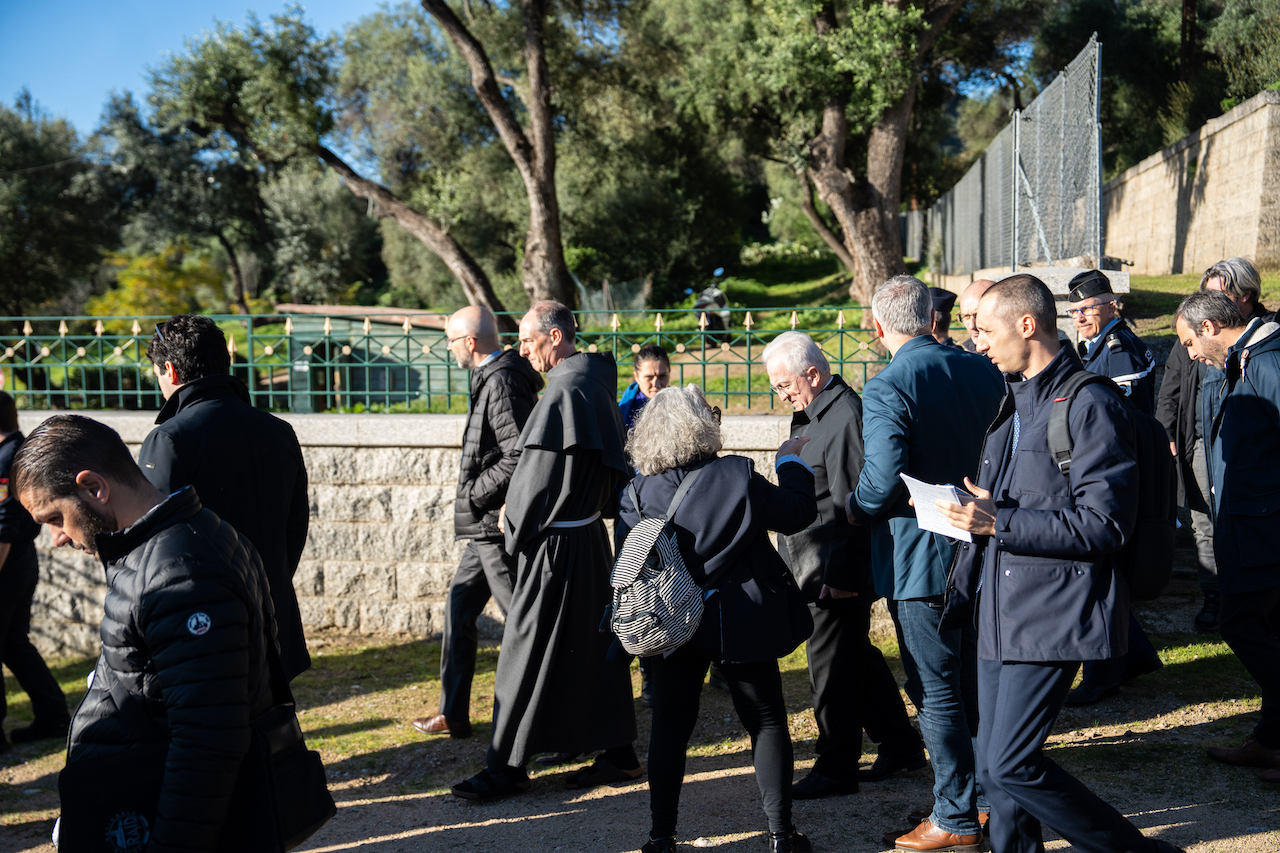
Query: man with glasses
1109 348
504 389
1107 345
969 298
246 464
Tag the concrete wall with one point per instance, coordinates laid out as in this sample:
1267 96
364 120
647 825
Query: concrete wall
380 553
1212 195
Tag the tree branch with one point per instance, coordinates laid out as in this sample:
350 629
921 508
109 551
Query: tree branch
819 224
475 282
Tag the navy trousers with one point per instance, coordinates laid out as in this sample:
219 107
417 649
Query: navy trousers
1018 705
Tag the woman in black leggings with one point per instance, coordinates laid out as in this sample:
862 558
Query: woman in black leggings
754 612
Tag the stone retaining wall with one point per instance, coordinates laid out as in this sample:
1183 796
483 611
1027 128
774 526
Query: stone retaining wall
380 553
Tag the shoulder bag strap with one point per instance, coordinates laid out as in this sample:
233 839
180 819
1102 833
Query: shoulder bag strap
685 485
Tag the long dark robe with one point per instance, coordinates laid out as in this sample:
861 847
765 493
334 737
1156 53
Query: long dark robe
555 690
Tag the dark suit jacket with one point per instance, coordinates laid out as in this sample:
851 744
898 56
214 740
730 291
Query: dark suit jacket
831 550
926 414
247 467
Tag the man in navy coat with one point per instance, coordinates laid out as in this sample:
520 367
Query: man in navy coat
1242 429
925 415
1044 557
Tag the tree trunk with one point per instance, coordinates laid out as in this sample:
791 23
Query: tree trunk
1187 48
544 271
236 273
820 225
475 283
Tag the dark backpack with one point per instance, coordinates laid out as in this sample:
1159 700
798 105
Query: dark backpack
1147 559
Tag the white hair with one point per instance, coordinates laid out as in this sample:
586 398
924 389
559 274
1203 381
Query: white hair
796 352
673 429
903 307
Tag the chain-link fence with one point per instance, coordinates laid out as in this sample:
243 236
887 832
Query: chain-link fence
1034 196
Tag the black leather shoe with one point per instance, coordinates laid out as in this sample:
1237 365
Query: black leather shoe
1207 619
490 784
816 786
40 731
790 841
1139 668
886 765
659 845
1089 693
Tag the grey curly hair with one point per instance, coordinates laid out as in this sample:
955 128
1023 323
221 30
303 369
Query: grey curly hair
674 429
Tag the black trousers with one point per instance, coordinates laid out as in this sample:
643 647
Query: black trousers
1250 623
485 570
853 688
17 589
1018 705
756 688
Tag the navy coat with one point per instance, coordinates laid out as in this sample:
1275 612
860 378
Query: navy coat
722 528
926 415
1244 460
1122 356
1049 589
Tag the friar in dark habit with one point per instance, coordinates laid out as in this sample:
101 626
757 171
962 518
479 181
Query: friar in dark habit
557 689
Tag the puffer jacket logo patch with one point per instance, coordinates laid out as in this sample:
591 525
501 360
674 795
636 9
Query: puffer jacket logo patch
199 623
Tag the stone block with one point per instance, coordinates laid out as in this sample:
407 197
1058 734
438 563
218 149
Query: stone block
329 465
423 504
359 579
394 465
308 580
397 617
333 540
315 612
351 503
420 580
755 432
344 612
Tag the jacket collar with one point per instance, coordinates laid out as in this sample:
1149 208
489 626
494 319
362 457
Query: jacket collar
822 401
179 506
918 342
205 388
1042 387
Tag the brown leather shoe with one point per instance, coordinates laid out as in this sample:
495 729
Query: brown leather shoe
926 836
438 725
914 817
1250 754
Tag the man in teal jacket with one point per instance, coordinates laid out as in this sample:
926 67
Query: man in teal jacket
925 415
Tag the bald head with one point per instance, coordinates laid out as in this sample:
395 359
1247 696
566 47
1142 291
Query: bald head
969 298
472 334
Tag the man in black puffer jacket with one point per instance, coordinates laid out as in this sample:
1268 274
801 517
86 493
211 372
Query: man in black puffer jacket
504 389
185 627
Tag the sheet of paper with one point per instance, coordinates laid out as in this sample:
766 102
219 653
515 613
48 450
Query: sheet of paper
926 495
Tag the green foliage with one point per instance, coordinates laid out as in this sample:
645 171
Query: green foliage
320 238
1247 39
57 214
155 284
416 277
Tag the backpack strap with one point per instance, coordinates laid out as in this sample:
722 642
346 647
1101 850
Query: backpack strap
685 485
1060 442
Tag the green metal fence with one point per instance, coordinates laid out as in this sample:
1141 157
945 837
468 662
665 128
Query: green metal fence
401 361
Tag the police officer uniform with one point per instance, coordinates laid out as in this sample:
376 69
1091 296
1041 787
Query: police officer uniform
1117 352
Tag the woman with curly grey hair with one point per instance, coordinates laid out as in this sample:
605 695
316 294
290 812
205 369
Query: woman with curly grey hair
754 613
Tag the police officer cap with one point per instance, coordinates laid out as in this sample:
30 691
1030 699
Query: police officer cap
942 300
1089 283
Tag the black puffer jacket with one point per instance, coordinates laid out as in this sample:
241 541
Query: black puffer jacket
184 628
503 392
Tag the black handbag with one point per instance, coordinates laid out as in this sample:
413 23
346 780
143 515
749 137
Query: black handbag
281 796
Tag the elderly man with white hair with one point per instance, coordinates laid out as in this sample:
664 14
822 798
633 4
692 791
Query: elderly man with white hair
852 685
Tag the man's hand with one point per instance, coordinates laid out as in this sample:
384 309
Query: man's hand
1173 448
848 502
976 516
832 592
791 447
502 518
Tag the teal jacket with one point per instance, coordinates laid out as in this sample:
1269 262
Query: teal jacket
925 415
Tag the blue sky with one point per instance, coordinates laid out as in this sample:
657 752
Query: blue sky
72 53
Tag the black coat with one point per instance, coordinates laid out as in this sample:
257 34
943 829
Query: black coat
830 551
1049 588
1178 407
503 392
722 528
247 467
184 630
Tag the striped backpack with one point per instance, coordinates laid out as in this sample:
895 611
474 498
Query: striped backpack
656 605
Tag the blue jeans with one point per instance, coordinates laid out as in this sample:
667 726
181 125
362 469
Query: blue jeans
942 682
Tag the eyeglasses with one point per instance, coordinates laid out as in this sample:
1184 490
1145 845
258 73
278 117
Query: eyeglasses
968 318
1087 311
458 338
787 387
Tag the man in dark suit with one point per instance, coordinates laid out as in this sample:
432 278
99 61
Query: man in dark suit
925 415
246 464
851 683
1044 555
